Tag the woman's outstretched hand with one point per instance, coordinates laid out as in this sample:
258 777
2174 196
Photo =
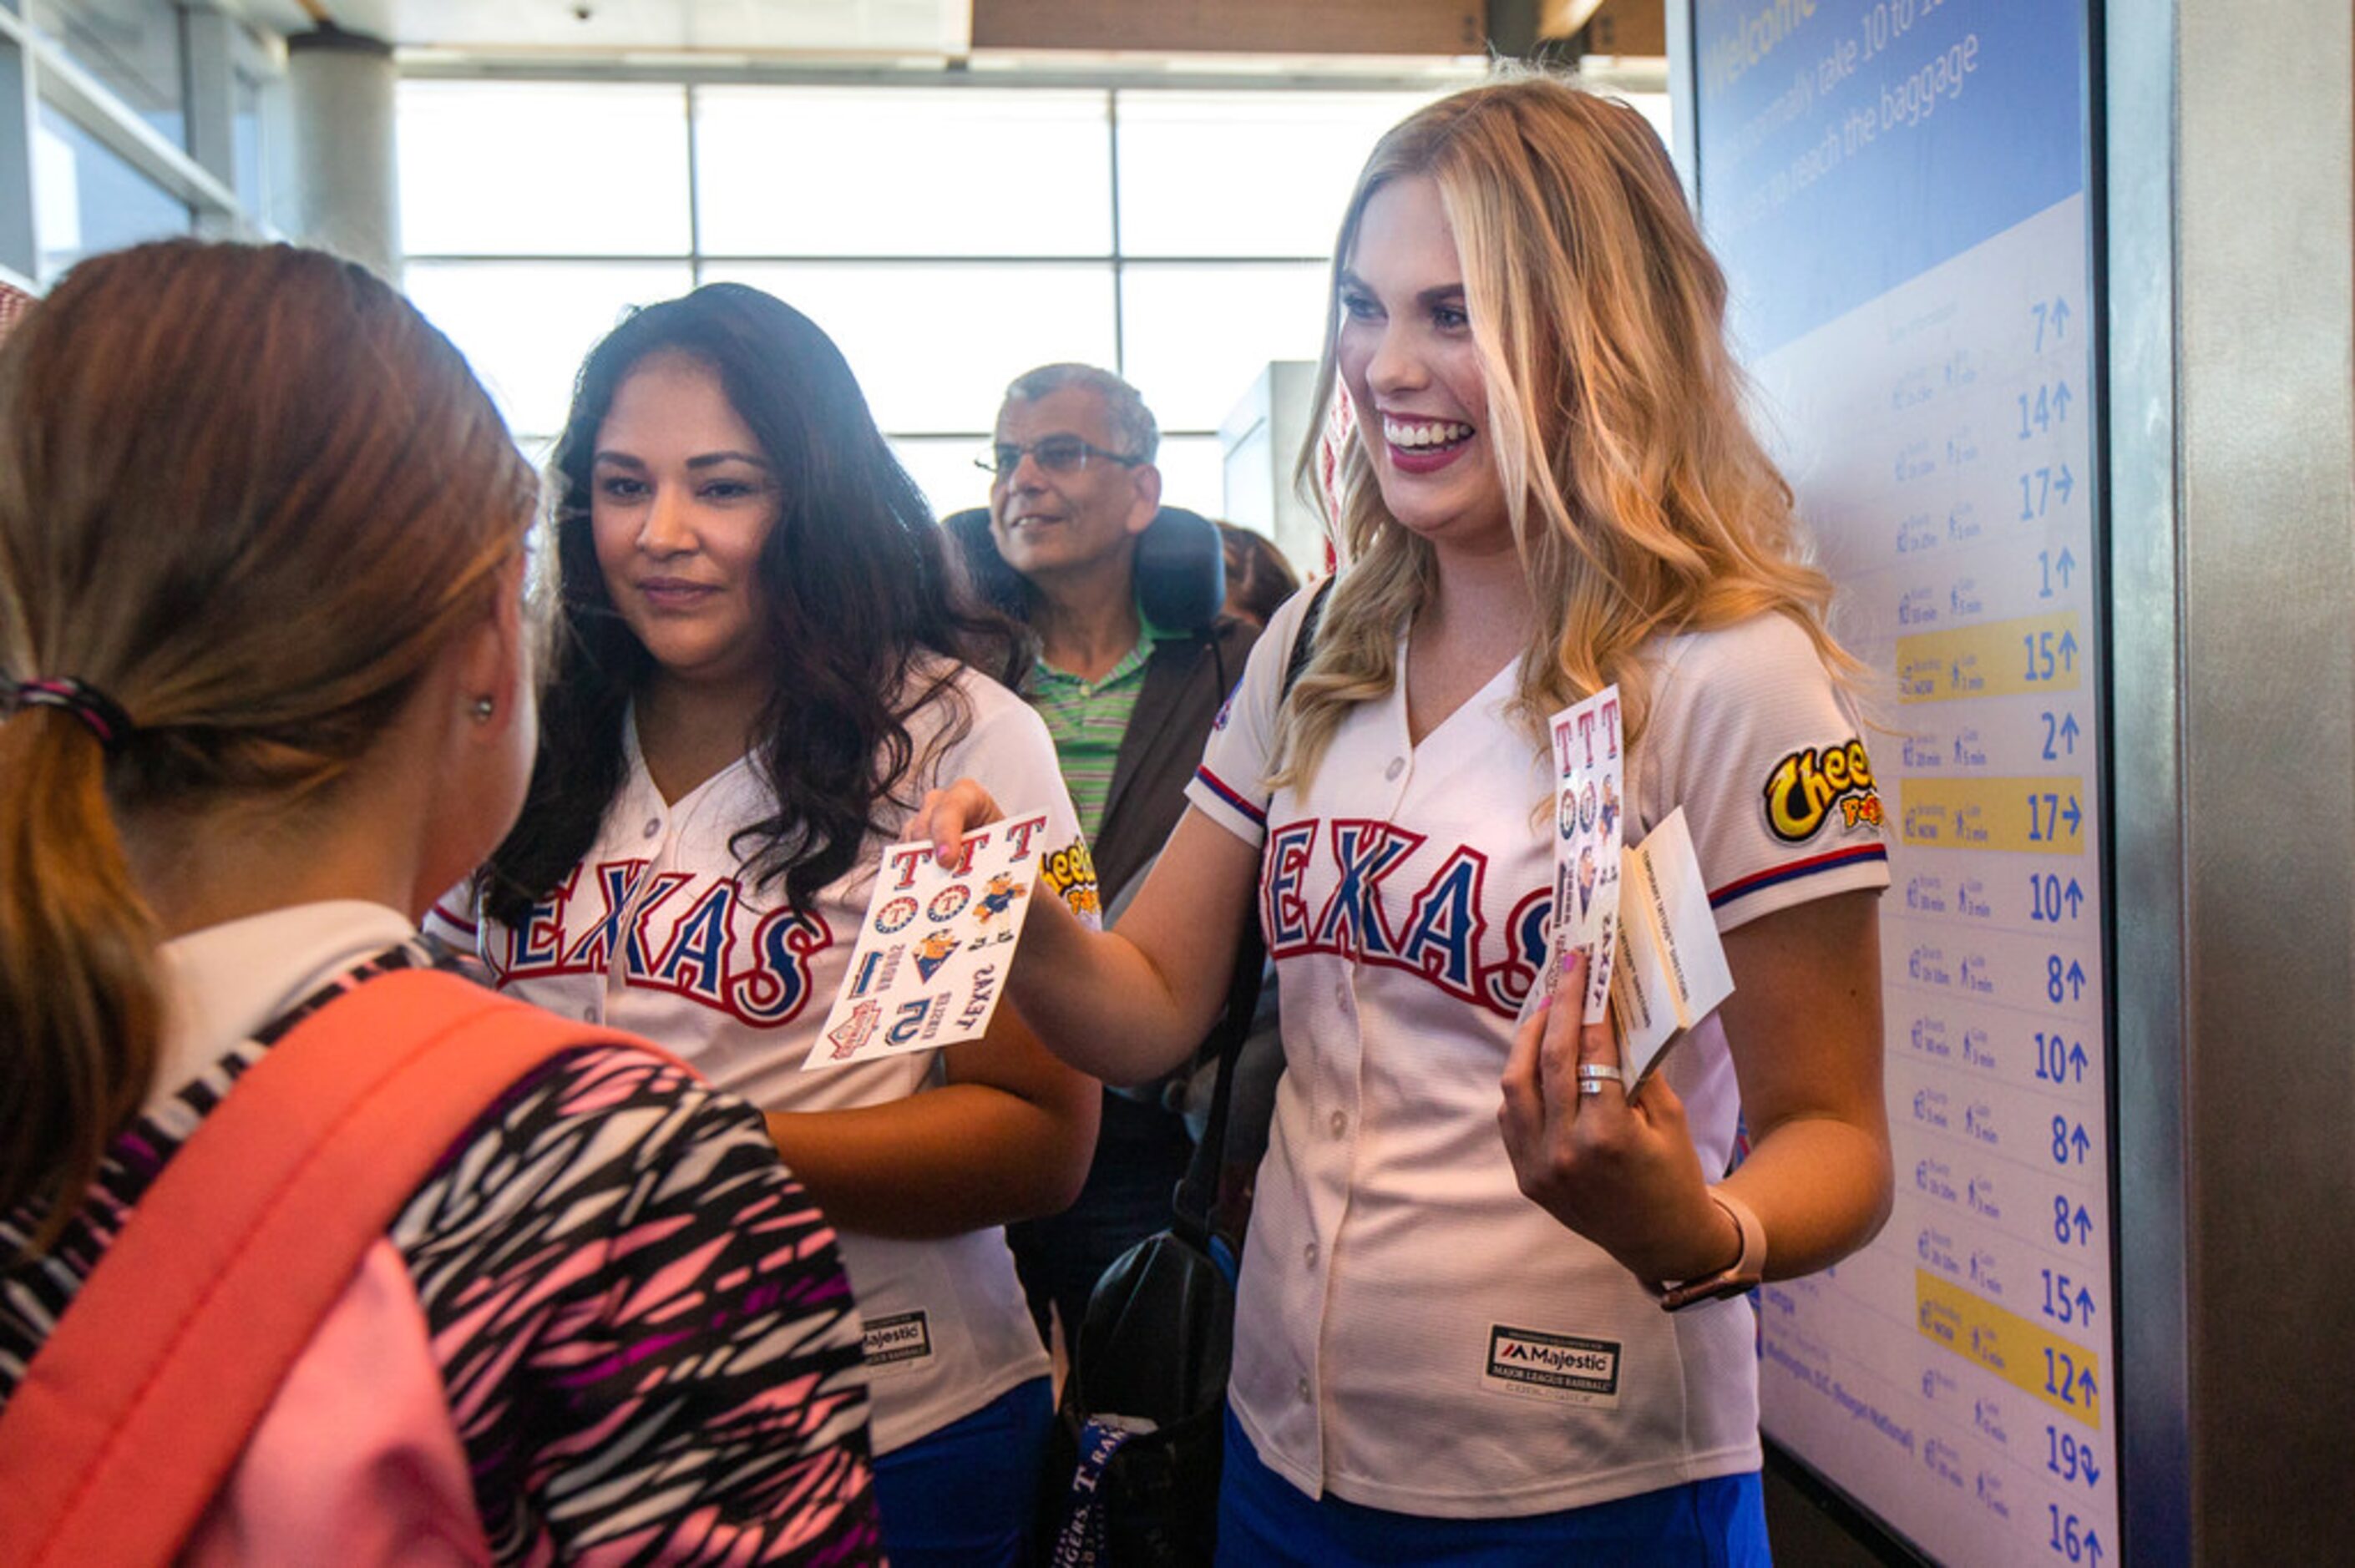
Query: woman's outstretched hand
1617 1169
947 815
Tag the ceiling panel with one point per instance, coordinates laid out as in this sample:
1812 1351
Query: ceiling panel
608 27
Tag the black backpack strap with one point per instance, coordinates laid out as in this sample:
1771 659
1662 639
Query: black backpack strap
1304 642
1199 1190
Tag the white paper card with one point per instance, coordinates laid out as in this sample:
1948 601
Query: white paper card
1672 970
932 952
1588 823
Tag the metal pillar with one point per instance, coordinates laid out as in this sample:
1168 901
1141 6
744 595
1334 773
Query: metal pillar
209 34
2232 163
347 190
20 251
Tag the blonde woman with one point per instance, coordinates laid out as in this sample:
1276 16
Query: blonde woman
1450 1344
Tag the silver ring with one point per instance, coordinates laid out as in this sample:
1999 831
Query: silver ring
1593 1075
1587 1085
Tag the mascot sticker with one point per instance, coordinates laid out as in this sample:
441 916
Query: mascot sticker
1588 769
931 954
1821 784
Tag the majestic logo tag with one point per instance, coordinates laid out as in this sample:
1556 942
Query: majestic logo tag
1805 786
1554 1366
906 1337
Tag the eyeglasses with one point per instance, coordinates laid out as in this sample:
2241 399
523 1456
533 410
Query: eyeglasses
1056 454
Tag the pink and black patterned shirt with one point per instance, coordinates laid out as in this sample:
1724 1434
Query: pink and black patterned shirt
641 1321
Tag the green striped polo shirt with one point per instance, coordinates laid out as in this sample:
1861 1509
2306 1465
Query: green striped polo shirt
1087 720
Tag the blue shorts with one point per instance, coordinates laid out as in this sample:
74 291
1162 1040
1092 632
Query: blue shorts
968 1493
1265 1521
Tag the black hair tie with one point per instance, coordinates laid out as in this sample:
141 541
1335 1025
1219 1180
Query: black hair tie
100 714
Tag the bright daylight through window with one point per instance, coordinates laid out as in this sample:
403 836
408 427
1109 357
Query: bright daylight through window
947 237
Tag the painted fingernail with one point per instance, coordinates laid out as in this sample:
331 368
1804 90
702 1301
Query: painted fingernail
1571 958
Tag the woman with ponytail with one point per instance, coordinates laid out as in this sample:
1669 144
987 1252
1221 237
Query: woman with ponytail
264 690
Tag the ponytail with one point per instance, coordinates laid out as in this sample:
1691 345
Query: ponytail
78 986
248 494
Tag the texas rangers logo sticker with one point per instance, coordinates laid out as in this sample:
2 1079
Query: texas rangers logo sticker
930 965
854 1031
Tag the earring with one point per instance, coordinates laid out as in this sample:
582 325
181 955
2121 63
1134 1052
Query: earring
482 709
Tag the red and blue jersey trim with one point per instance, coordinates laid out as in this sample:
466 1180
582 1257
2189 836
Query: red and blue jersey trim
1218 788
1775 875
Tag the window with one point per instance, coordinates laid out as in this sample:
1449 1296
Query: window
251 141
1244 174
525 327
903 171
934 343
89 199
134 47
947 237
1197 334
943 467
504 168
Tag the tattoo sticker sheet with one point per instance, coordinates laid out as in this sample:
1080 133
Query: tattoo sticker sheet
932 952
1589 822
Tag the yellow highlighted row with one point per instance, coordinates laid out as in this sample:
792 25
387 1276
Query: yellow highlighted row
2036 816
2000 659
2063 1375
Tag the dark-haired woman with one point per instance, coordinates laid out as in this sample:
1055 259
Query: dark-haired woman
1259 580
765 666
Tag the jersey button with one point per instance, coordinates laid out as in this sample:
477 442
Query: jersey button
1397 766
1305 1391
1308 1254
1340 1123
654 826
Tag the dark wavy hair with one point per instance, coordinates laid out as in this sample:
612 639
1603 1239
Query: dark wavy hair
857 586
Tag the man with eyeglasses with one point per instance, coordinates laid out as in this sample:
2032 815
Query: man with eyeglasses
1130 704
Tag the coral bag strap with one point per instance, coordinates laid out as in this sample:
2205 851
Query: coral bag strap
133 1412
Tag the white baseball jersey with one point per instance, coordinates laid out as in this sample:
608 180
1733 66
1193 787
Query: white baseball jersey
1414 1334
659 931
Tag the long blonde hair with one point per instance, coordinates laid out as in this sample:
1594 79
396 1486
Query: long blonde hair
249 495
1640 500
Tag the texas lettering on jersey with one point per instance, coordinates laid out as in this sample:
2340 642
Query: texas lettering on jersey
1437 932
696 937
